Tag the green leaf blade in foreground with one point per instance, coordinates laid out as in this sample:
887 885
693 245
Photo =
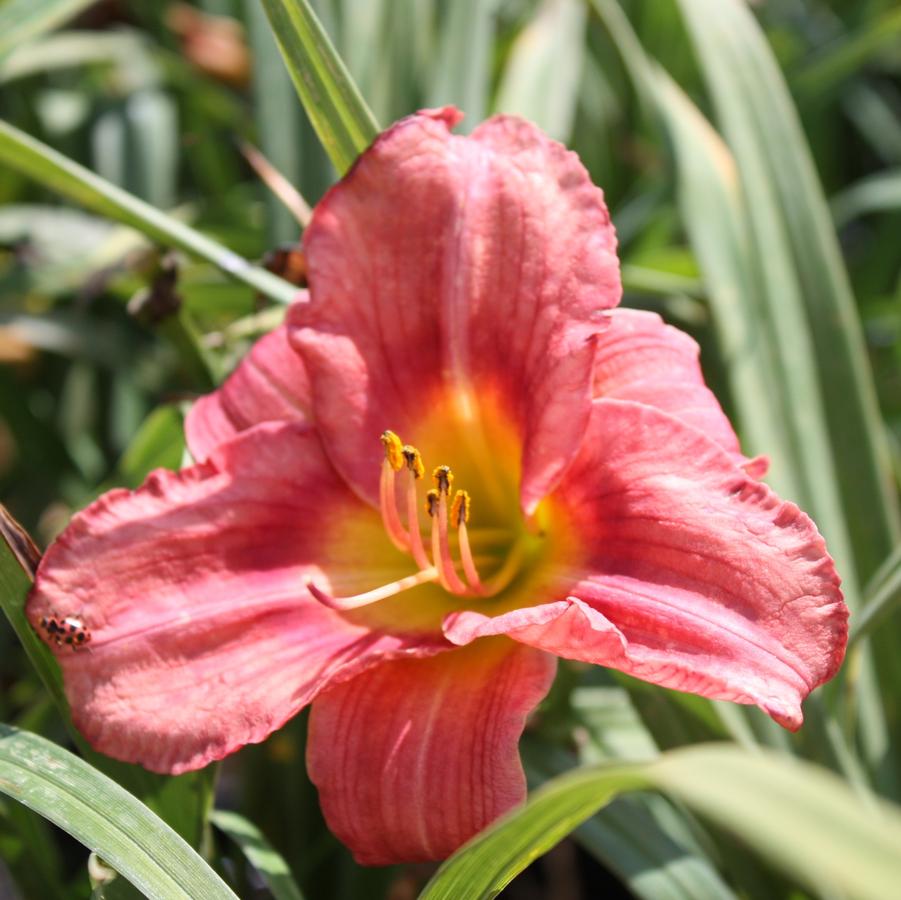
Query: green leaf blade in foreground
799 818
22 20
105 818
29 156
488 863
335 106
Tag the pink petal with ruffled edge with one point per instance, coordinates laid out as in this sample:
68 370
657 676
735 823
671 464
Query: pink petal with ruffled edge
204 634
444 270
415 757
269 385
685 572
641 358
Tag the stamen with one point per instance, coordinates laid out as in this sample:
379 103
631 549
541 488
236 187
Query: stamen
437 507
460 516
373 596
394 462
415 471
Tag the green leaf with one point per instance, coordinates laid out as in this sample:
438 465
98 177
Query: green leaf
881 598
541 80
880 192
815 327
159 443
259 853
712 209
277 118
462 75
762 333
335 106
797 817
105 818
53 170
630 840
489 862
840 59
22 20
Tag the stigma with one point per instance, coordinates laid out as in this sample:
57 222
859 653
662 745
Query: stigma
438 559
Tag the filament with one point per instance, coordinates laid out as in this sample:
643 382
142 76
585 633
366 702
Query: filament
416 545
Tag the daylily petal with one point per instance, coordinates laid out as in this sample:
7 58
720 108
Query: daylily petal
687 573
194 589
415 757
455 281
641 358
270 384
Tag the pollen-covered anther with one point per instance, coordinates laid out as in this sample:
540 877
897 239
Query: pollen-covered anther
394 450
459 511
444 479
413 459
431 503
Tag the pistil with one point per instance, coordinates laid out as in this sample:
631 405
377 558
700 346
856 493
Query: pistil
380 593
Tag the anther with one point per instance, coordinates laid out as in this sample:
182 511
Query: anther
413 459
393 450
444 479
431 503
459 511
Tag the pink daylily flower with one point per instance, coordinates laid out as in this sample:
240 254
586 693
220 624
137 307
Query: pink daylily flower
596 507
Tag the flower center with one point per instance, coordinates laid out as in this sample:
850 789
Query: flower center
449 548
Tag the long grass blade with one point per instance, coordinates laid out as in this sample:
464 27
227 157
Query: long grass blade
105 818
541 80
335 106
881 599
22 20
463 73
53 170
805 284
876 193
797 817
